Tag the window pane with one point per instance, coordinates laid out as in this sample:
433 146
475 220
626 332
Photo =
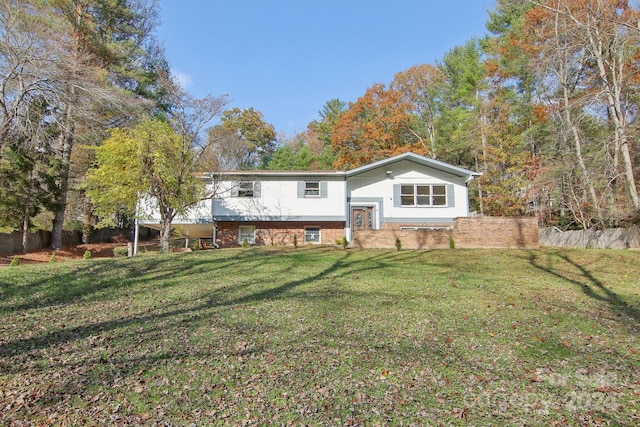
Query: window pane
312 235
406 190
423 200
407 200
311 188
439 190
245 189
423 190
439 200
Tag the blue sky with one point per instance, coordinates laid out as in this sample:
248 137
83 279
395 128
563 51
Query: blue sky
287 58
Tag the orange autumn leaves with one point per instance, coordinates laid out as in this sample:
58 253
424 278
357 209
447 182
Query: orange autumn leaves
378 125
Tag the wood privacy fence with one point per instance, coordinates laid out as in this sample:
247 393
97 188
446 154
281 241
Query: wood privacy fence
615 238
475 232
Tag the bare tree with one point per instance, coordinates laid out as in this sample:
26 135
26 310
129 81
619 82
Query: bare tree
605 33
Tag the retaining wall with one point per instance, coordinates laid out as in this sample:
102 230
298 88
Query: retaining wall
476 232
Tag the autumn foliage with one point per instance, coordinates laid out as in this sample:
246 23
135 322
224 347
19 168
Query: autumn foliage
377 126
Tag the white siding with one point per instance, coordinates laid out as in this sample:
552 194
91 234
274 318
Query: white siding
279 200
377 183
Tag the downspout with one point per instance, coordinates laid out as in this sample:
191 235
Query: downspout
214 231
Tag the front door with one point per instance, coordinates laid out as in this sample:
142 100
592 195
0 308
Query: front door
362 218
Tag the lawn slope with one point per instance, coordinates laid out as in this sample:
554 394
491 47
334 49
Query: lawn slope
324 336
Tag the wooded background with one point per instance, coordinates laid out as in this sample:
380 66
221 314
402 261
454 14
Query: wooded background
545 106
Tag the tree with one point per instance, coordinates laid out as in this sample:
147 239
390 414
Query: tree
243 140
159 160
461 120
296 155
149 161
377 126
100 48
586 55
422 85
329 116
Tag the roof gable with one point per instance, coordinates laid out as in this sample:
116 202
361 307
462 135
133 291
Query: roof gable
420 160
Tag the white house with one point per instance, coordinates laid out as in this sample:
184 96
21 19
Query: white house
270 207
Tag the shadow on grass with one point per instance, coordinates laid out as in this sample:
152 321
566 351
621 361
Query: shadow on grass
86 280
587 282
191 310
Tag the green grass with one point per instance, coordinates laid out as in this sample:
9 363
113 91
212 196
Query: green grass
324 336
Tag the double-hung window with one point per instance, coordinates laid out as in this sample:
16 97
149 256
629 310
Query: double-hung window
312 189
423 195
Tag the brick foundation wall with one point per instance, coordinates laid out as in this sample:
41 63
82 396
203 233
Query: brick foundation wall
496 232
480 232
272 233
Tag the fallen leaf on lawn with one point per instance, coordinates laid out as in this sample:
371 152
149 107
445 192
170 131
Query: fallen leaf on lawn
459 413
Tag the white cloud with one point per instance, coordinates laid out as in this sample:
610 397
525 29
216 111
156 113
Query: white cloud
183 79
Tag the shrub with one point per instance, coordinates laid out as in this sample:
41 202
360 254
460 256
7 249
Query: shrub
295 241
87 254
452 244
53 257
342 242
120 251
245 243
398 243
15 261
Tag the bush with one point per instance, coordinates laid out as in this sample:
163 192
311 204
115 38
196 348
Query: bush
53 258
245 243
15 261
452 244
87 254
120 251
295 241
398 243
342 242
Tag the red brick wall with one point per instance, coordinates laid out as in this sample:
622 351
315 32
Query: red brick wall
496 232
477 232
278 233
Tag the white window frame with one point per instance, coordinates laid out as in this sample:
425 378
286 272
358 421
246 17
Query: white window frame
319 234
423 195
313 190
247 232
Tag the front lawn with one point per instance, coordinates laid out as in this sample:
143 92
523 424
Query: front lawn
324 336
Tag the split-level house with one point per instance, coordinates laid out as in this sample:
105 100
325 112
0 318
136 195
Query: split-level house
263 207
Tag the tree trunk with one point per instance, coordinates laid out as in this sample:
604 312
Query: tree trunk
611 65
63 185
577 145
165 235
166 219
25 226
87 220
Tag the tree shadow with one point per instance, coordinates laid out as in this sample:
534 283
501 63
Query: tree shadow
85 280
191 310
589 284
